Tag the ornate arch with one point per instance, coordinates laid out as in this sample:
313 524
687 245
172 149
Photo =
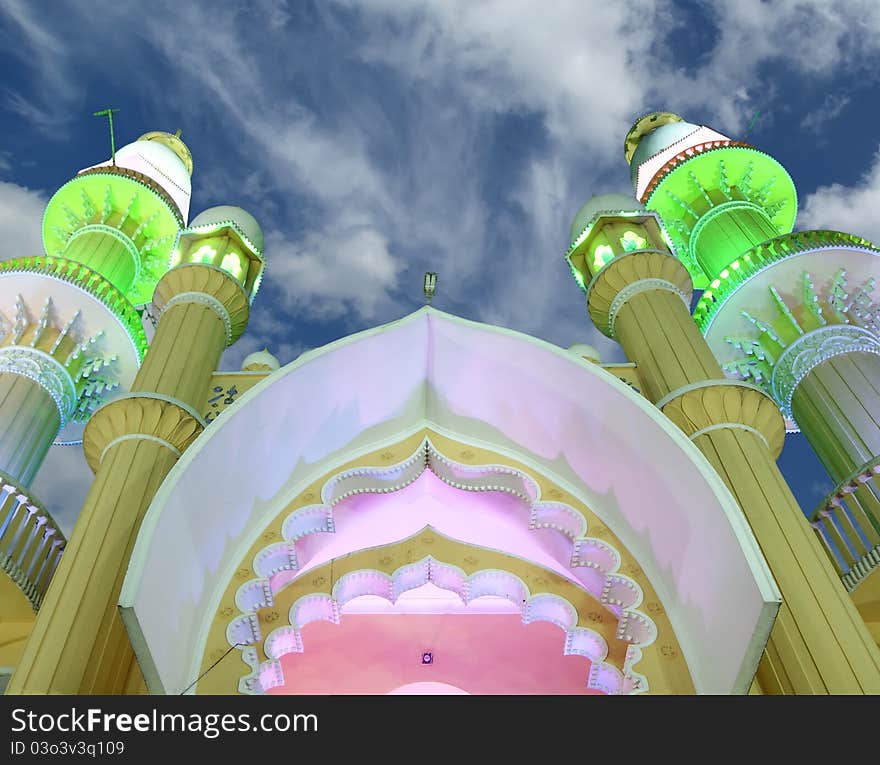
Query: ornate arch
580 639
565 423
597 605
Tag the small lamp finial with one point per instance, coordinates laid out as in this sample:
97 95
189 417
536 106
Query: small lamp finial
430 286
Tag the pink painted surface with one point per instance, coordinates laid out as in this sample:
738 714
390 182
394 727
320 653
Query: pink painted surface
475 653
491 519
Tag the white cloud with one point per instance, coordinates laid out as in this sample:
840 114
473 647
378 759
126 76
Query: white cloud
21 216
852 209
582 64
267 328
755 41
830 109
330 272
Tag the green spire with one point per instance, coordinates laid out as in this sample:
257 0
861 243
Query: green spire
109 114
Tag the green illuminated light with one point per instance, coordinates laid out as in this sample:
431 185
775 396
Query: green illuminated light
632 241
682 195
764 256
735 265
231 263
205 254
602 255
724 273
113 198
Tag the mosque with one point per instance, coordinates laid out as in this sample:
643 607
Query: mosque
436 505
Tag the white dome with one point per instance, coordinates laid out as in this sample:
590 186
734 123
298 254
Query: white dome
586 351
602 203
162 165
260 360
658 140
242 220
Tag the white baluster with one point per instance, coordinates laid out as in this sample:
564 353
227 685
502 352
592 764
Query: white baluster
30 509
38 524
40 554
10 516
49 556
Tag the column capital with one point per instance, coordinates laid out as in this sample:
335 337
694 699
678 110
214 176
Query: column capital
629 274
710 405
211 286
142 416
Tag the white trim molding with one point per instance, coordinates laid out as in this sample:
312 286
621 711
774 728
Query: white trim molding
634 288
546 607
812 349
205 299
140 437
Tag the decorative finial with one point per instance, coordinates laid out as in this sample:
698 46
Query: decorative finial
109 114
430 286
177 133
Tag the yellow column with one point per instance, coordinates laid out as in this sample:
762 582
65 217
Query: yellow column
819 644
78 644
837 407
29 421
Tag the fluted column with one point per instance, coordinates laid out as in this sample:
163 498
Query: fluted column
78 644
29 417
819 643
837 407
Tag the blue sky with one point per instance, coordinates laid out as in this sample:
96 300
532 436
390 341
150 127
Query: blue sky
375 140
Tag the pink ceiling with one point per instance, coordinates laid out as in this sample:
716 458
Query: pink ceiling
475 653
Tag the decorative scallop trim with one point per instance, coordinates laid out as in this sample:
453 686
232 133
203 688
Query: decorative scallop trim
46 371
90 282
768 254
811 349
276 565
542 607
132 175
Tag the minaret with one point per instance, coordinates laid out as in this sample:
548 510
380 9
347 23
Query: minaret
78 644
639 293
72 336
797 313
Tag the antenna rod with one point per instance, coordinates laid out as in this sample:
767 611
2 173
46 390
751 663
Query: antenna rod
752 124
109 114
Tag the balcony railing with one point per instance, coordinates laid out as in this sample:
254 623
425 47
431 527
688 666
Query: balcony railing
847 523
30 542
